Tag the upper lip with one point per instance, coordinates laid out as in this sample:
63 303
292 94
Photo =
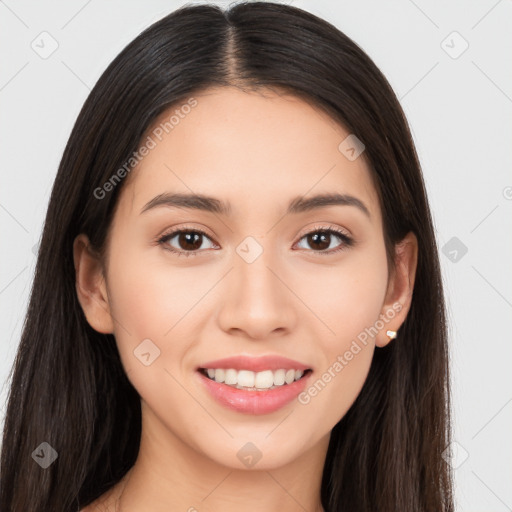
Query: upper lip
256 364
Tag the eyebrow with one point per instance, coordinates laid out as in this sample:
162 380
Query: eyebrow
205 203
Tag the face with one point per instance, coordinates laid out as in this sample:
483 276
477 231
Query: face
271 275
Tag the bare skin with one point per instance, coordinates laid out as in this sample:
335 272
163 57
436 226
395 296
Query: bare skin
257 151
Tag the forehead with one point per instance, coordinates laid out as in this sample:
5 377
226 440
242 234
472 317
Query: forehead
252 149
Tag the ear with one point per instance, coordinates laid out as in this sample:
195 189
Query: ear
90 286
400 288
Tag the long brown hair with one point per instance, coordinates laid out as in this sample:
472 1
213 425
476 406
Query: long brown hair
68 386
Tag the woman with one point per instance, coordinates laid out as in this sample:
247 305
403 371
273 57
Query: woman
296 357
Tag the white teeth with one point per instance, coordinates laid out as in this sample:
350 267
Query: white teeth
290 376
279 377
246 378
264 380
255 381
231 376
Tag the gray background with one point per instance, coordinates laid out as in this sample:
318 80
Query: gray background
458 102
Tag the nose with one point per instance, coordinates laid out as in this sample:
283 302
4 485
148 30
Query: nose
256 300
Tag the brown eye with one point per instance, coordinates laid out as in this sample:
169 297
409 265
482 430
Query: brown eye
189 241
321 239
186 242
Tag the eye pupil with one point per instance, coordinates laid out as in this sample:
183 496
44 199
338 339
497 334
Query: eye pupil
320 236
189 238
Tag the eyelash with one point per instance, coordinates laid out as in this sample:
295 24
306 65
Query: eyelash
346 240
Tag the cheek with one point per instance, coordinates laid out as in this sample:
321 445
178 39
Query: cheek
350 306
149 301
331 393
358 303
347 297
150 294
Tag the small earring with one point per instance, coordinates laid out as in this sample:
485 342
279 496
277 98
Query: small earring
391 334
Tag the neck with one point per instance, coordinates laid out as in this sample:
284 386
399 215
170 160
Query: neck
170 475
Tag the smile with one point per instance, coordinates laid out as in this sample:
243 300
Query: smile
253 381
254 400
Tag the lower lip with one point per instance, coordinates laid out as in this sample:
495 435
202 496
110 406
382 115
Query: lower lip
254 402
